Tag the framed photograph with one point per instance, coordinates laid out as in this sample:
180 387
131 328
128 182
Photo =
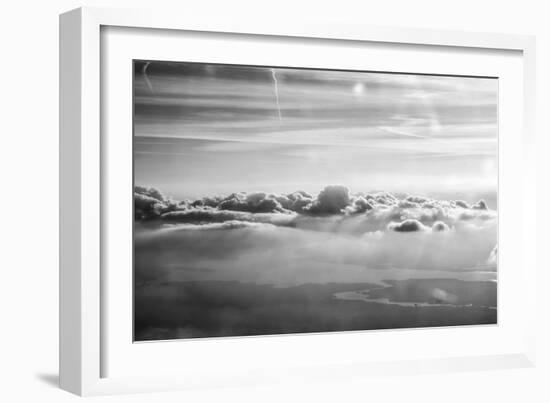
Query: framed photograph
274 200
237 197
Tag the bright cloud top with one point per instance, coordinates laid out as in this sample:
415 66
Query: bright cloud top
340 210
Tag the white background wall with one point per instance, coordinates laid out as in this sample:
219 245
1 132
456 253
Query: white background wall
29 198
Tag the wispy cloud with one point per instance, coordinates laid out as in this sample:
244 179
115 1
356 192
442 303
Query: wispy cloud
351 127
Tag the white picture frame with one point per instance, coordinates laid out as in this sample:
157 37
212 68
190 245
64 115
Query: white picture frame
83 171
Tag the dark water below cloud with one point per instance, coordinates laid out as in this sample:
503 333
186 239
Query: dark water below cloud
225 308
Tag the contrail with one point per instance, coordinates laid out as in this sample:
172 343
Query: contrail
401 132
147 81
273 74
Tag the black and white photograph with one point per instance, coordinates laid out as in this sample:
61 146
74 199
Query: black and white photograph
275 200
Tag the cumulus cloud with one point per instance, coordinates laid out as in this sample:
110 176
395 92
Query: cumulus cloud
417 199
410 225
480 205
334 209
461 203
440 226
331 200
149 192
257 202
146 207
298 201
407 204
206 202
358 205
150 203
382 199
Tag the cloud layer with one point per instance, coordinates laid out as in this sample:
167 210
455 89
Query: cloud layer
334 209
297 238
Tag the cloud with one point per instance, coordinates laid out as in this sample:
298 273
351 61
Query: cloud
407 204
410 225
149 192
477 214
207 215
298 201
311 250
334 209
257 202
150 203
206 201
444 296
225 225
440 226
332 199
383 198
480 205
358 205
417 199
147 207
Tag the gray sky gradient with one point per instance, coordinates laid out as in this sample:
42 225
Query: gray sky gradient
215 129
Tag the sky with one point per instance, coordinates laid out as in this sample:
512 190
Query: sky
204 130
